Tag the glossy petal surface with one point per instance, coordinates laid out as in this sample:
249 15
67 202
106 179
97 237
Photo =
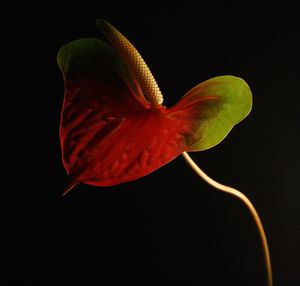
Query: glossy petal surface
110 134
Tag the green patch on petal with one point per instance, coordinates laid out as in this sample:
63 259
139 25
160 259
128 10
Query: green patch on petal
88 56
91 58
220 103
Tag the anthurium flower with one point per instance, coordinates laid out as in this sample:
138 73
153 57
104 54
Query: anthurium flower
114 128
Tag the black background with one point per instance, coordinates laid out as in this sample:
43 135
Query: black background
169 226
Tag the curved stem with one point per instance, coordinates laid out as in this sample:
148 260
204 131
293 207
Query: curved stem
249 205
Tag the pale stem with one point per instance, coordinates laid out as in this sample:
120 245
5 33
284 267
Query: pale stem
249 205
